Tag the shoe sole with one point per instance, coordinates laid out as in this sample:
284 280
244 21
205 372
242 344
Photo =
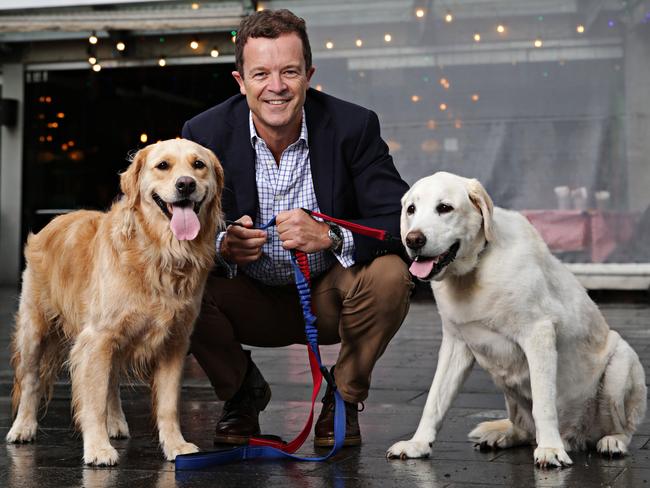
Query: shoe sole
349 441
233 440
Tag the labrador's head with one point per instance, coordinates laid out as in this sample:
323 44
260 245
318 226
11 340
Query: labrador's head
177 182
446 222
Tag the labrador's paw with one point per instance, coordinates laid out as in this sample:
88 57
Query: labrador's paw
612 445
409 449
549 457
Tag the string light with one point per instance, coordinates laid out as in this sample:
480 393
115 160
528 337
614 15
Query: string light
120 46
475 97
501 28
195 6
319 87
477 37
415 98
431 124
580 28
538 43
60 115
419 13
329 44
458 124
92 60
144 137
93 38
443 106
214 53
449 18
162 62
194 44
97 67
260 7
359 43
388 37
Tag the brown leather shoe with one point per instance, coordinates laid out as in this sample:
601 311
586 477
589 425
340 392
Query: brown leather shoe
324 430
240 418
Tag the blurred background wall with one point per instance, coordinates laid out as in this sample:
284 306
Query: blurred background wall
547 102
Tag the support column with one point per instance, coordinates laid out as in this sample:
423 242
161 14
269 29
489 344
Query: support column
637 110
11 186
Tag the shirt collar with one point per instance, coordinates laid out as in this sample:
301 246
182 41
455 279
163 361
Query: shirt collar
301 137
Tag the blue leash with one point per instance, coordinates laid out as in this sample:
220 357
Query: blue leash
201 460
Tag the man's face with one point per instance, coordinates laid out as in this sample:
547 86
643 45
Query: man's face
275 82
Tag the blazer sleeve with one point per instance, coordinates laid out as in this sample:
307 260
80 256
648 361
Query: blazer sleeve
379 189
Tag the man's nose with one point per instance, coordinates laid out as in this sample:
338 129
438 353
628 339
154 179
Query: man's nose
276 83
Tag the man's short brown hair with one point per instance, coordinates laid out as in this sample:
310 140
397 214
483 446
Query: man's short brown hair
270 24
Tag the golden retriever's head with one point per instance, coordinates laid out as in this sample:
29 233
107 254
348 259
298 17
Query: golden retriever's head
176 183
446 221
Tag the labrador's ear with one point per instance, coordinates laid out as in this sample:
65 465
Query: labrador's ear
130 179
483 203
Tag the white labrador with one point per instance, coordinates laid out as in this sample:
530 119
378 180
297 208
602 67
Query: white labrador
569 381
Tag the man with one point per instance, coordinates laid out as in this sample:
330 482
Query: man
283 147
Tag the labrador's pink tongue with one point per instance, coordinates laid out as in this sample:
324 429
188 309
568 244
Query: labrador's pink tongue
422 269
185 224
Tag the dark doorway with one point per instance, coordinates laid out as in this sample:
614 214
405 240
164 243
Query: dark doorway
81 126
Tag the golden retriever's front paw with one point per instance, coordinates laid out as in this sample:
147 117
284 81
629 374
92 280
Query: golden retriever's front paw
22 432
100 455
549 457
175 450
409 449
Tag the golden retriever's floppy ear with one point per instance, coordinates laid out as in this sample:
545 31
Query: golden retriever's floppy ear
215 210
129 179
483 203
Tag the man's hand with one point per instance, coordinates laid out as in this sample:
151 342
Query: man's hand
297 230
242 245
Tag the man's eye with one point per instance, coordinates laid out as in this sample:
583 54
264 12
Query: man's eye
410 210
163 165
444 208
198 164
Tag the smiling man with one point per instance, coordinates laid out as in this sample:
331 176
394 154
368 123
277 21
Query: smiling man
283 147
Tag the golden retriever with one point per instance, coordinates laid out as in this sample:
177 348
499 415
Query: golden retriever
508 304
119 291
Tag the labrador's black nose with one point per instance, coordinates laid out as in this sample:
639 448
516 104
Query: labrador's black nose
415 240
185 186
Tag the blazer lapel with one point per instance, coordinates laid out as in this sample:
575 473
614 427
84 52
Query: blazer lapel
321 154
242 166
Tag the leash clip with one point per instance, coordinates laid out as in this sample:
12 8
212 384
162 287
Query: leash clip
328 377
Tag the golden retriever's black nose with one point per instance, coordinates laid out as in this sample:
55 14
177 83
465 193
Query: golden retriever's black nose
415 240
185 186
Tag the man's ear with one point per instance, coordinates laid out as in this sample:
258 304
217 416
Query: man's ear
310 73
240 81
482 201
130 179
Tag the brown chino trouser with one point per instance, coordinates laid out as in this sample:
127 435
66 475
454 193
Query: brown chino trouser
361 307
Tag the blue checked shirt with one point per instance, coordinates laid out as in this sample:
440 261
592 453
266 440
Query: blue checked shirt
284 187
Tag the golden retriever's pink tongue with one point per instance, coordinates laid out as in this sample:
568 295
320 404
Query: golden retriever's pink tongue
185 224
422 269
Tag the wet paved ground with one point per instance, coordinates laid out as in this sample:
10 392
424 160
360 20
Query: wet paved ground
400 383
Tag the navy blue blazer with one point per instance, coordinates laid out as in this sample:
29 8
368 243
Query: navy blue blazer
354 176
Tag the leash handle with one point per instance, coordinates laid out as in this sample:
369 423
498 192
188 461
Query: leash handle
378 234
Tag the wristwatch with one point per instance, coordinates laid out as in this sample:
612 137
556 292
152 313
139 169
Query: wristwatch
336 236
